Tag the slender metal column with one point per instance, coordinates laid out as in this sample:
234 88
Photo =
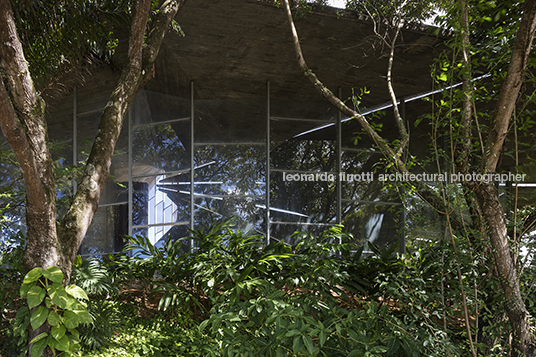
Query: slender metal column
130 182
267 184
402 245
75 135
339 165
192 170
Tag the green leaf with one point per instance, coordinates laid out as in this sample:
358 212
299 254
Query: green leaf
297 344
39 337
58 295
63 344
33 275
39 316
322 337
24 289
308 343
202 325
75 335
35 296
84 316
54 274
77 292
39 347
22 312
355 353
48 302
292 333
58 332
443 77
70 319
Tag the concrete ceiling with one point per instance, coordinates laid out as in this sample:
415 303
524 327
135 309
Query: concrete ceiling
231 48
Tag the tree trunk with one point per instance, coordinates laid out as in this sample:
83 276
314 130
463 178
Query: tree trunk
514 304
22 119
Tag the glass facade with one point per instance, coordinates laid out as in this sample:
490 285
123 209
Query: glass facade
183 163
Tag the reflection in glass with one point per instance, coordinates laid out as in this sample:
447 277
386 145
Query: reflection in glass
230 121
302 201
151 107
377 223
105 234
160 148
287 232
248 212
230 169
160 200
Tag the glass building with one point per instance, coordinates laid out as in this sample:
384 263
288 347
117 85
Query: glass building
229 126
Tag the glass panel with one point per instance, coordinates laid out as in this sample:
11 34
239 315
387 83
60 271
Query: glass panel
230 121
151 107
315 151
301 129
303 201
116 188
87 129
422 223
249 212
105 234
297 105
12 194
160 200
288 232
230 169
160 148
164 233
377 223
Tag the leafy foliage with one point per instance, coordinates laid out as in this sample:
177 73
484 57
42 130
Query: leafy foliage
48 302
55 45
319 297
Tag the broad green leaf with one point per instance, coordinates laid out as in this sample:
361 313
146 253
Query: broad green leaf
25 288
54 274
53 318
279 352
58 332
63 344
77 292
39 337
202 325
75 335
35 296
58 295
74 304
48 302
70 319
33 275
39 347
23 311
84 316
39 316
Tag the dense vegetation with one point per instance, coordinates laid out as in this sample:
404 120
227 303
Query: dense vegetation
235 296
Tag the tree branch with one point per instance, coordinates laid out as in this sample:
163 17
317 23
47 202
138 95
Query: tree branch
135 75
510 88
424 191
